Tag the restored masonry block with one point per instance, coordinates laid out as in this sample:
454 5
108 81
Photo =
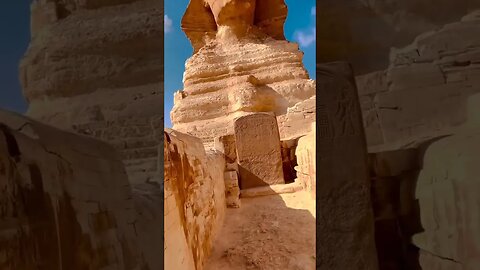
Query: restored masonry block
306 169
258 151
345 237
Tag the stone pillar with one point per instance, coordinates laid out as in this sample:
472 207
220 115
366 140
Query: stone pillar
345 235
258 151
305 153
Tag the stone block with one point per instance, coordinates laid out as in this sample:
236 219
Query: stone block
434 111
447 192
258 151
346 235
410 77
372 83
394 163
231 167
226 145
232 190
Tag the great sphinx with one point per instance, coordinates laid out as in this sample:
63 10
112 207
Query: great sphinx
241 64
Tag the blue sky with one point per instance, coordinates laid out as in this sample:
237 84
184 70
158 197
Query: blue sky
14 39
299 27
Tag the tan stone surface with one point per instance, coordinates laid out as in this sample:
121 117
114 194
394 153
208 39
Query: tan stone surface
345 234
149 226
306 159
363 31
232 189
227 146
258 151
423 93
194 200
66 200
447 193
448 198
268 232
232 74
298 119
94 67
369 85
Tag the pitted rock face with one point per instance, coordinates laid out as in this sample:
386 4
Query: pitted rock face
90 50
94 67
258 151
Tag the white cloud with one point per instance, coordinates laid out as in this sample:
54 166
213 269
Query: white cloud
307 37
314 11
167 24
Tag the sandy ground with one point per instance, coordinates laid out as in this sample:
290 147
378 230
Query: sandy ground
274 232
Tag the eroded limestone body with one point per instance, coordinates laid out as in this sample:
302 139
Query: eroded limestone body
306 158
194 200
94 67
242 64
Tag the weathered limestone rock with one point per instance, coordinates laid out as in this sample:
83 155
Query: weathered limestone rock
345 236
149 205
369 28
306 169
94 67
369 86
289 159
394 177
447 191
241 64
203 18
423 93
298 119
232 189
194 200
66 202
226 145
258 151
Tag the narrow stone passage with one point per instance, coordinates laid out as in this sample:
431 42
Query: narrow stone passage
268 232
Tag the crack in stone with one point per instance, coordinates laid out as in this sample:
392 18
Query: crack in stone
441 257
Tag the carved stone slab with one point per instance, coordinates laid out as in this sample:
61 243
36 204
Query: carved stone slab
345 223
258 151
